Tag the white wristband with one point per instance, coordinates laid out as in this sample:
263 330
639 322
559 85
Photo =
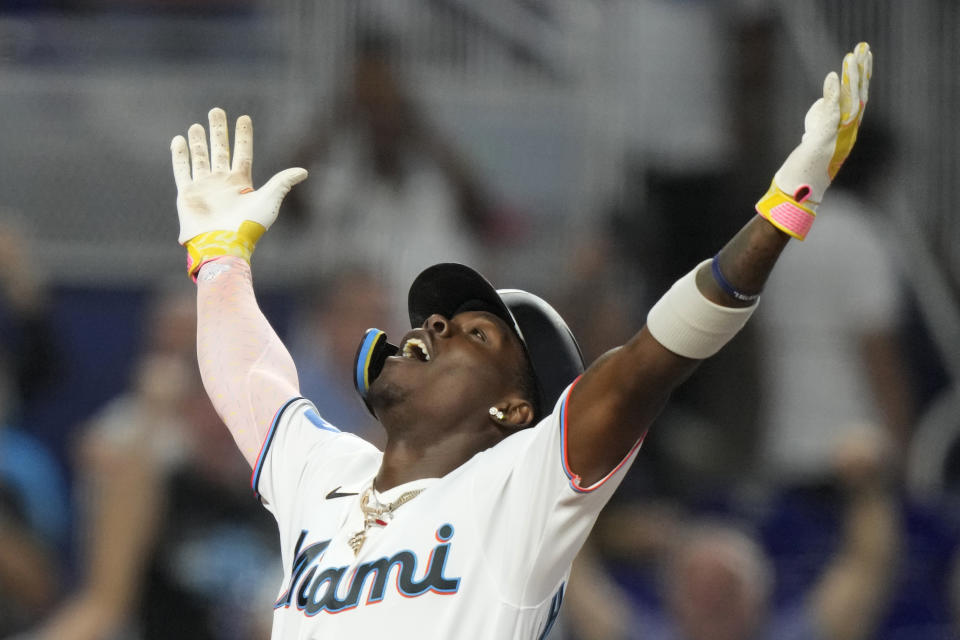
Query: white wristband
688 324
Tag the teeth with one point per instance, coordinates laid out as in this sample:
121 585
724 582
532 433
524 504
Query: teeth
419 345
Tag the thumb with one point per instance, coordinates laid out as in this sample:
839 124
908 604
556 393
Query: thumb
821 121
831 88
281 183
271 194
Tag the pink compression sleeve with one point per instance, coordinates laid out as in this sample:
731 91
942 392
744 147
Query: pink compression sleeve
246 370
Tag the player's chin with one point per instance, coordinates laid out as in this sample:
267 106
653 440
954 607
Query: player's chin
384 393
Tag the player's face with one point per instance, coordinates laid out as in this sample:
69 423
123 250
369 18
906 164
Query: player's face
451 368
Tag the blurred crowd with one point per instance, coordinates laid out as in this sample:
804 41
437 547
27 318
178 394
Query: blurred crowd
768 502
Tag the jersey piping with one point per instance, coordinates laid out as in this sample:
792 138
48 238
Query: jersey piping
573 477
257 468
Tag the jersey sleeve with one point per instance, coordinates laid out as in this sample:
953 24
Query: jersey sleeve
302 446
533 510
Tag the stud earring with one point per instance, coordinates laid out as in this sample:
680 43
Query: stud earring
496 413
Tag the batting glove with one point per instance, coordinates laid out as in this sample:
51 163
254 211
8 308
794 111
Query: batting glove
221 214
830 129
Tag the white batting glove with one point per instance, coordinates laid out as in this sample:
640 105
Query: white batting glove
830 129
220 212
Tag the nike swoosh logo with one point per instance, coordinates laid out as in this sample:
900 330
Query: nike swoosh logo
336 494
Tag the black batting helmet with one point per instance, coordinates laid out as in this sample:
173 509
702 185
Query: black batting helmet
450 288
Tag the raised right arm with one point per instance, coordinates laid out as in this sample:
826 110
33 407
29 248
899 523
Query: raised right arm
246 370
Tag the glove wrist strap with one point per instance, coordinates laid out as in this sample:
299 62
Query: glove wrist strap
785 213
215 244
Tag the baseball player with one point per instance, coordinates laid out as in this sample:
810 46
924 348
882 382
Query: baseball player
501 450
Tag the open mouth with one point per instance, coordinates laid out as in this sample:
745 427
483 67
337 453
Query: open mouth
415 349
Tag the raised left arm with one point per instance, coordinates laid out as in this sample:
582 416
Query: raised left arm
624 390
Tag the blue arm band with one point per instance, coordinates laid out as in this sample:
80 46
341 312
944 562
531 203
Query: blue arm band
728 288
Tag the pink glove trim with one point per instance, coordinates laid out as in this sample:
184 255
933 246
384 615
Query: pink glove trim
786 213
792 219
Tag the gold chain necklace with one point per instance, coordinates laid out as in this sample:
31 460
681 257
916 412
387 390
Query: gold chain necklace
379 514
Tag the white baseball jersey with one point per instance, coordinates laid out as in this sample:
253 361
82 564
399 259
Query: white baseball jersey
483 552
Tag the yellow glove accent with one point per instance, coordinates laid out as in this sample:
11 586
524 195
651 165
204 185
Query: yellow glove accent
846 136
830 130
785 213
854 81
215 244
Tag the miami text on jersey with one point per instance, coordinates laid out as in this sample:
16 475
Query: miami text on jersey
314 589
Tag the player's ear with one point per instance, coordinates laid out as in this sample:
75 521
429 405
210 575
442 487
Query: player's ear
513 413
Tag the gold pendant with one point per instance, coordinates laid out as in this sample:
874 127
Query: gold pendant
356 541
379 515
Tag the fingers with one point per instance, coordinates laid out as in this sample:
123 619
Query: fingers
219 143
849 88
181 162
243 149
198 151
192 153
854 86
864 59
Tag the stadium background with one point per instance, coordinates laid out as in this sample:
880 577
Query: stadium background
571 111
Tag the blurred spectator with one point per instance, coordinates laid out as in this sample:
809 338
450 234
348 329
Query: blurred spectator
326 334
33 522
33 503
717 581
386 189
173 545
830 320
28 571
27 338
